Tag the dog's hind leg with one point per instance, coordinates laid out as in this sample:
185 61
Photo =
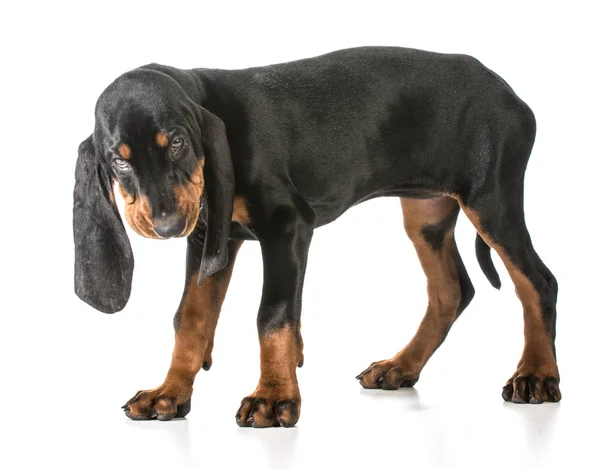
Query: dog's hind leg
430 226
499 218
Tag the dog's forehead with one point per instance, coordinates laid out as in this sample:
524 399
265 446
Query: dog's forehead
139 102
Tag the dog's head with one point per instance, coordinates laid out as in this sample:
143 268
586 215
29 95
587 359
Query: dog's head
170 156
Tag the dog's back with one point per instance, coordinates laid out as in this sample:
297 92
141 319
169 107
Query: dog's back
366 122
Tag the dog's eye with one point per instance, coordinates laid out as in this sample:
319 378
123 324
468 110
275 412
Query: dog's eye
177 143
121 164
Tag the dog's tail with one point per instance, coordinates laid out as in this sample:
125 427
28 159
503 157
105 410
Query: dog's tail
484 257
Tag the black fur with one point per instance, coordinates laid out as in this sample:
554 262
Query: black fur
103 257
133 109
301 143
484 257
434 234
304 141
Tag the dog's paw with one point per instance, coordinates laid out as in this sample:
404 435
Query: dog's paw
387 374
531 389
268 410
162 403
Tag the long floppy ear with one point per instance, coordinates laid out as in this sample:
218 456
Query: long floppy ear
218 190
103 257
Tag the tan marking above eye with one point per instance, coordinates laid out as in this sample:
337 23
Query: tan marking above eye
161 139
125 151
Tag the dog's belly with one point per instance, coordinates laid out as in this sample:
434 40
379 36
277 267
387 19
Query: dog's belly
326 212
331 206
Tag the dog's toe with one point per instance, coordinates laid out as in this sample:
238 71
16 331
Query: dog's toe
263 412
386 375
161 403
531 389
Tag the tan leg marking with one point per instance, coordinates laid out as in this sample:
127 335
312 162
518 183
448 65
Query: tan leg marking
276 400
198 318
537 358
443 289
197 321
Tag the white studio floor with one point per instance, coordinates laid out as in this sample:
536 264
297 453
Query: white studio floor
451 422
68 412
345 428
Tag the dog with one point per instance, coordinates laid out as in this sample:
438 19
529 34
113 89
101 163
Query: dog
271 153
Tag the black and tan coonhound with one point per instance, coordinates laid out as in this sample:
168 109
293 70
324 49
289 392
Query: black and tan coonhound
270 154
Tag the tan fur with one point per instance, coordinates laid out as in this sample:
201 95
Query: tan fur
162 140
443 287
240 211
124 151
138 214
443 290
280 354
537 356
198 318
188 199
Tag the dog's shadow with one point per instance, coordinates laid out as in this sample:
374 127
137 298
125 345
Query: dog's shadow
279 444
177 430
407 397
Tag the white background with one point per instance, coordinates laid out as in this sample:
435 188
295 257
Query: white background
66 368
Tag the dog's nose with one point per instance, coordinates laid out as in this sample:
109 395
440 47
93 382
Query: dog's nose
169 225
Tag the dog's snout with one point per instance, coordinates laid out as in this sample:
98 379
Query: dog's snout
168 225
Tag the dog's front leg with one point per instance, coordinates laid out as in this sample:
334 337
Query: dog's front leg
195 324
276 400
